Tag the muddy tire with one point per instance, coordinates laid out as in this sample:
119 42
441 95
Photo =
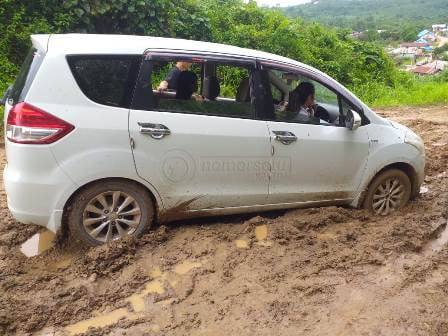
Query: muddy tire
108 211
388 191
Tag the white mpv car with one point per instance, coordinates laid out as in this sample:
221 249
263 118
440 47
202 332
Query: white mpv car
95 144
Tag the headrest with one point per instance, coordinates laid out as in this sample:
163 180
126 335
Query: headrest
187 84
243 91
211 88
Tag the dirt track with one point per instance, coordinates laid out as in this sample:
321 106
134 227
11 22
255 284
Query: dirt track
331 271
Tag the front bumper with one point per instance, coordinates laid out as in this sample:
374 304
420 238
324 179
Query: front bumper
419 166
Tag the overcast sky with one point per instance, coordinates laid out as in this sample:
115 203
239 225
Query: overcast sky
281 2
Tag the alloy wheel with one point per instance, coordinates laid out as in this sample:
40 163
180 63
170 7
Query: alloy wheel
111 215
388 196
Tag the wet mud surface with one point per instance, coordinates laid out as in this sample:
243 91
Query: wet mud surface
328 271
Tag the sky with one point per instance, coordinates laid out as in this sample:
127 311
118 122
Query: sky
281 2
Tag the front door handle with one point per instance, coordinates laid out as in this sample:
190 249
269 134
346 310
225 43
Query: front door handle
285 137
155 131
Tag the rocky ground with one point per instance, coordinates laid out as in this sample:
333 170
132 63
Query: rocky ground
329 271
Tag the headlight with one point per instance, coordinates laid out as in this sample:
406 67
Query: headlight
414 140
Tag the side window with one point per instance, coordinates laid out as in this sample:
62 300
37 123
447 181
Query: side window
305 100
28 71
197 86
107 80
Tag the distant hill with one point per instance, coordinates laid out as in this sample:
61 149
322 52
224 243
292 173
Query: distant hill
372 14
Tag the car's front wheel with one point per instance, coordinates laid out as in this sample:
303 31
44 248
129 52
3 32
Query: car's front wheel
388 192
108 211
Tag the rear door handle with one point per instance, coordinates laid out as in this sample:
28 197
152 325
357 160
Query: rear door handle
285 137
155 131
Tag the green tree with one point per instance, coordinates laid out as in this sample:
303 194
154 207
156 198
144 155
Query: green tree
350 61
182 18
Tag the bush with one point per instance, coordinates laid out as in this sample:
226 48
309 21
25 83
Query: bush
7 73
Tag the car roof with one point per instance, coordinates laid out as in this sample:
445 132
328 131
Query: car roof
131 44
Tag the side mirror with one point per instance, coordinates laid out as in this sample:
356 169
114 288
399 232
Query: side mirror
352 120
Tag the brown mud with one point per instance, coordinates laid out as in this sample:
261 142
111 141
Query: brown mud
327 271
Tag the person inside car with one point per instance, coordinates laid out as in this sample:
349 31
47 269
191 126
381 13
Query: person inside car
301 99
187 85
172 79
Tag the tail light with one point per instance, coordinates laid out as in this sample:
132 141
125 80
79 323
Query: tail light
28 124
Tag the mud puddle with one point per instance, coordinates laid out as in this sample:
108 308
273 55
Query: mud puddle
261 239
140 302
101 321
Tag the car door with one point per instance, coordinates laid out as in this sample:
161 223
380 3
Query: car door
199 153
316 161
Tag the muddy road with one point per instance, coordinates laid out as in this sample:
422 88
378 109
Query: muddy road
329 271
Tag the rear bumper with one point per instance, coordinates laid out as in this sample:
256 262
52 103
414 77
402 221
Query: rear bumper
52 222
35 186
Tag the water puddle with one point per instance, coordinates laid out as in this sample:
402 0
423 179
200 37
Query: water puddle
261 234
439 242
186 267
264 243
137 300
38 243
101 321
241 243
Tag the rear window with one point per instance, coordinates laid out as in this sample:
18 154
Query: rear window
28 71
107 80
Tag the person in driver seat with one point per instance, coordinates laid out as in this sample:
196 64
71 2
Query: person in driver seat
301 99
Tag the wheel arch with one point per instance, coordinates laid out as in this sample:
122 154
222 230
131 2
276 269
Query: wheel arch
66 209
405 167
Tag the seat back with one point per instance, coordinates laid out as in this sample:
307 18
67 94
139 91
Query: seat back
211 87
243 91
187 84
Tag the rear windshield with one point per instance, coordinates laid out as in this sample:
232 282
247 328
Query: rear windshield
28 71
107 80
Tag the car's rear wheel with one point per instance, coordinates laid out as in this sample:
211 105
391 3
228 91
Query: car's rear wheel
109 211
388 192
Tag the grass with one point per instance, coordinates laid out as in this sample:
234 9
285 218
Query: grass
421 92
